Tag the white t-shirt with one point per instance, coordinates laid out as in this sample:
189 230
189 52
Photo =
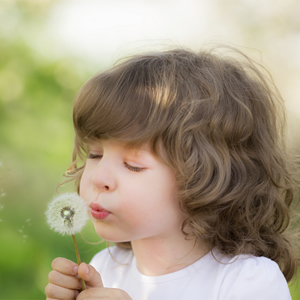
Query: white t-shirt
236 278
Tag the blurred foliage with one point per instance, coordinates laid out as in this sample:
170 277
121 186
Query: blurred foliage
36 138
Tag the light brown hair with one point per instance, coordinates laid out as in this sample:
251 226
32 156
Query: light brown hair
221 121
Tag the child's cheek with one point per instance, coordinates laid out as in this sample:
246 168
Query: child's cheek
83 186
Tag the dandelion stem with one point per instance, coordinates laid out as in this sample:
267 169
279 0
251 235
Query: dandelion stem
78 259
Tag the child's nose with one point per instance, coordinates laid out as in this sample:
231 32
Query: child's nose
103 178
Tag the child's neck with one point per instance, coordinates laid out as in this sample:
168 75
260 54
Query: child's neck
157 257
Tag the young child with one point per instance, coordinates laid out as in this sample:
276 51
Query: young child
184 169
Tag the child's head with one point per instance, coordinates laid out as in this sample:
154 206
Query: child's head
215 121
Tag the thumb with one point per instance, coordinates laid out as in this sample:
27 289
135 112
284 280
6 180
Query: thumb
89 274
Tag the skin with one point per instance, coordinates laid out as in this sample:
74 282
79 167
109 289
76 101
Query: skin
140 192
64 282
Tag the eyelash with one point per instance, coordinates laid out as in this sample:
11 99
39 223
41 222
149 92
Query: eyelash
94 156
134 169
129 167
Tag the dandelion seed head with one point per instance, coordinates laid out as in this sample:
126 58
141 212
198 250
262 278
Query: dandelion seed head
67 213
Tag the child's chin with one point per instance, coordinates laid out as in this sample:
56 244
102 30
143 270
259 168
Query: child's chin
113 238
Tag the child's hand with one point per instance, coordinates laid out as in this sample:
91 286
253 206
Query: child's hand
63 280
95 289
65 284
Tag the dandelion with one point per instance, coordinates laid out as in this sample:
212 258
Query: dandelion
68 214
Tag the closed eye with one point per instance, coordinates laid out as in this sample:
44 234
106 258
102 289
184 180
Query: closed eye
134 169
94 156
131 168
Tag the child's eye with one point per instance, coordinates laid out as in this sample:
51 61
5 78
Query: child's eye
134 169
94 156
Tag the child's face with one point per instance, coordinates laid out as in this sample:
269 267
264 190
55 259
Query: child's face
132 195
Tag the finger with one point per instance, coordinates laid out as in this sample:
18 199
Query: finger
103 293
64 266
70 282
58 292
95 293
89 274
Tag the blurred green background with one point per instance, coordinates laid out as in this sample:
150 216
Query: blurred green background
36 139
36 134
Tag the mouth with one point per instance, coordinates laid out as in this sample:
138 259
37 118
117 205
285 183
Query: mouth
98 212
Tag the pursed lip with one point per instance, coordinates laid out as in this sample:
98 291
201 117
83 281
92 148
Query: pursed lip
98 212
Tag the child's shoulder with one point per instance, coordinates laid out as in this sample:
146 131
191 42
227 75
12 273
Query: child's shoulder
251 275
247 261
251 266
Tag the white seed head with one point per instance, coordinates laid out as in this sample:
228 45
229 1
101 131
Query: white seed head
67 213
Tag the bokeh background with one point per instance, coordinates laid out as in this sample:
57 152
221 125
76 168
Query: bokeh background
48 49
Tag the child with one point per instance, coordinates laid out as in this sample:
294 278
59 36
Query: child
184 170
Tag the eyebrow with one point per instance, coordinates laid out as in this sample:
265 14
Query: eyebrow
139 153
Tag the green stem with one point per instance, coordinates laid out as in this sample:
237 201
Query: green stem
78 259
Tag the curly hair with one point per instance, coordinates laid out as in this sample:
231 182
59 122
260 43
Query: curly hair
221 122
